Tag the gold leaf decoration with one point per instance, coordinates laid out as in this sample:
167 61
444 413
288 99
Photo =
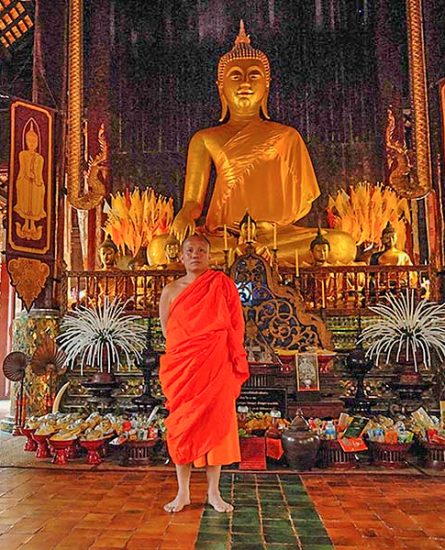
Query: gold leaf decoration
28 276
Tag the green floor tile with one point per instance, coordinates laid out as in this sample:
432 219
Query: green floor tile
210 538
274 538
247 538
282 546
279 512
303 513
276 524
242 546
305 540
318 547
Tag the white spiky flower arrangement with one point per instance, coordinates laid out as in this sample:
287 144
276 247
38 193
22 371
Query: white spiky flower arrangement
97 336
406 328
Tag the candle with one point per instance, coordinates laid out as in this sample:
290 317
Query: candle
275 236
297 268
225 238
323 297
248 230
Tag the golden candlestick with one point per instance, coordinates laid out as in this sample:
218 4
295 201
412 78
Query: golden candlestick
323 295
275 236
225 238
297 268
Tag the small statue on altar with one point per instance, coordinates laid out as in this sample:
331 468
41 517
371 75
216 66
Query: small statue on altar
390 255
113 287
172 252
320 248
248 235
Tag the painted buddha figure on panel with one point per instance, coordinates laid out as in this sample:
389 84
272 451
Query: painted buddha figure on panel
261 166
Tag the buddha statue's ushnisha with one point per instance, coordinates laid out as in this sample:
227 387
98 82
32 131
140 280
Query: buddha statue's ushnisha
262 167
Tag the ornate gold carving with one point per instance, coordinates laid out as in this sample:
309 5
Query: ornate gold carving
96 188
277 311
419 102
399 159
28 276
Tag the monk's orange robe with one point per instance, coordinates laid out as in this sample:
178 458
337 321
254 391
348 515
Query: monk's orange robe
203 369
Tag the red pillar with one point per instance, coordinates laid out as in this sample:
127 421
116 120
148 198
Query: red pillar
6 294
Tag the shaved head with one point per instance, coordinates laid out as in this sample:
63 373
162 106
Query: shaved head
196 236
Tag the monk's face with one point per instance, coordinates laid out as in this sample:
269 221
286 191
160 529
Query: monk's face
195 255
244 85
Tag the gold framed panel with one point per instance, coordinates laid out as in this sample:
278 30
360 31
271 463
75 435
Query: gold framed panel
31 185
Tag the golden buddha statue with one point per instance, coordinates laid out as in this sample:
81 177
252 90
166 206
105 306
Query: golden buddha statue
113 287
30 187
320 249
262 167
390 255
172 253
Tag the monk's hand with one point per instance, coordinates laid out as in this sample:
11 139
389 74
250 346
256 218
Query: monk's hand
184 222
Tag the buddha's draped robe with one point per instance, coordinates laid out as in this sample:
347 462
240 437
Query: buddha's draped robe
265 169
204 366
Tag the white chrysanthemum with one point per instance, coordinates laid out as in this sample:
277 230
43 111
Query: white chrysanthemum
97 336
406 327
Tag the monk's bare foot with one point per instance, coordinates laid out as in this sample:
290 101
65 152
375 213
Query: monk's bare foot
219 504
177 504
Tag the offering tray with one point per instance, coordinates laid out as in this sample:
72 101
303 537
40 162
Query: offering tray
31 444
93 447
61 448
42 445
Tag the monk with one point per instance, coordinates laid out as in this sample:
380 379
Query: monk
202 371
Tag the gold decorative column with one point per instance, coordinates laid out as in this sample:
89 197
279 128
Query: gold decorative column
77 195
422 184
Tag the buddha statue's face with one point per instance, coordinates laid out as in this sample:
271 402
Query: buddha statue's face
244 85
320 253
32 141
389 240
107 257
172 251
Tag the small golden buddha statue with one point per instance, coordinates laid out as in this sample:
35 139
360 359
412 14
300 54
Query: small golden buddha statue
390 255
320 249
172 253
113 287
261 166
248 235
30 187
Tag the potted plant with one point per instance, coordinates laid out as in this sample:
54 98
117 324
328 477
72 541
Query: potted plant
408 332
97 337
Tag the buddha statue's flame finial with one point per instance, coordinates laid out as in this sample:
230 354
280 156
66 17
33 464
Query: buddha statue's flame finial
243 37
243 50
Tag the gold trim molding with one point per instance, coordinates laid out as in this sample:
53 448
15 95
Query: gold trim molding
77 196
422 184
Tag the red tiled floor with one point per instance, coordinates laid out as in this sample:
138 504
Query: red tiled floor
80 510
385 512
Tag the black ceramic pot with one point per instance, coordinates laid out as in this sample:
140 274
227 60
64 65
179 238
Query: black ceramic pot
300 444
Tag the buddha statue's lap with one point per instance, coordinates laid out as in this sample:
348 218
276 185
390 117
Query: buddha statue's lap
261 166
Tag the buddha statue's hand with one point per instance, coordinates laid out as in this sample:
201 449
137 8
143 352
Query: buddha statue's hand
184 222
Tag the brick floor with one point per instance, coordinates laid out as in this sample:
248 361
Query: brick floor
67 510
